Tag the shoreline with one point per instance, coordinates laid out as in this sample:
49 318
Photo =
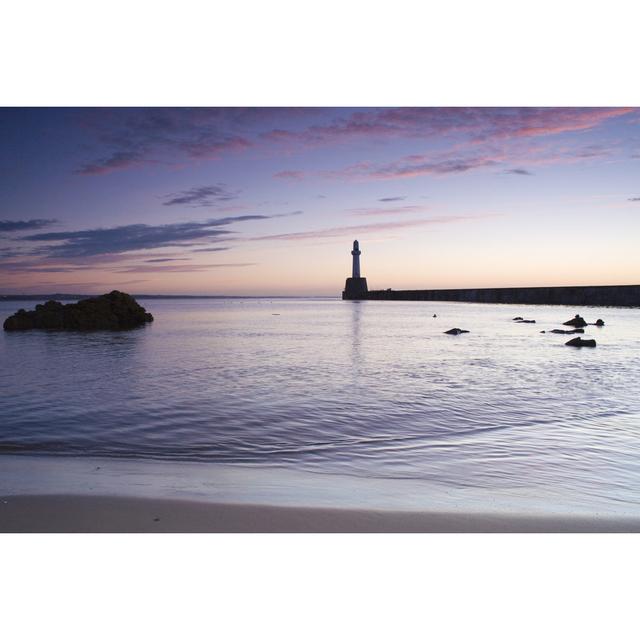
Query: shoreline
51 494
115 514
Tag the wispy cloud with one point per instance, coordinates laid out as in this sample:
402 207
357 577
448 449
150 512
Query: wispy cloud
634 199
7 226
126 138
134 137
392 199
290 175
383 211
182 268
299 212
594 151
134 237
112 162
518 172
466 158
413 166
480 124
210 249
9 253
339 232
206 196
35 267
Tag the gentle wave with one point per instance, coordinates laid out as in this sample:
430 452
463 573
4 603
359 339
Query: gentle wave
369 389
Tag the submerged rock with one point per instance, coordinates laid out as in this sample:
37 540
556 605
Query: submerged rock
577 321
520 321
580 342
112 311
599 323
518 318
565 331
456 331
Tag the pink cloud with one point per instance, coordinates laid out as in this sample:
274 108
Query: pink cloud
290 175
509 153
481 124
339 232
187 268
133 137
383 211
415 165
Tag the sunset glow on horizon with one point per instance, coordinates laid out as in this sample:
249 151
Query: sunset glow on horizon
267 201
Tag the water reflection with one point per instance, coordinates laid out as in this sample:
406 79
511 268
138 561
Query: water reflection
356 313
360 388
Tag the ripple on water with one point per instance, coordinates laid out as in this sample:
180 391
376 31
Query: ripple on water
371 390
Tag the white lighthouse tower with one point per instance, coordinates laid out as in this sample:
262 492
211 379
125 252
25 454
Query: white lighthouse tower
356 286
355 273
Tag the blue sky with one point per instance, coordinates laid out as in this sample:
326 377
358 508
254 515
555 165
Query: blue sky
268 201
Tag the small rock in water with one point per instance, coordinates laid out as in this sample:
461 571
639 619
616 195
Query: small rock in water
518 318
565 331
577 321
580 342
521 321
434 315
599 323
456 331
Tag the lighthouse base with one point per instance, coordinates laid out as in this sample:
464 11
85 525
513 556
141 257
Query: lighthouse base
355 289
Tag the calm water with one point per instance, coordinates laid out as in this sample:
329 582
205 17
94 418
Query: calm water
370 389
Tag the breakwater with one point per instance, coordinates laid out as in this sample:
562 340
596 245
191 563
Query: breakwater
605 296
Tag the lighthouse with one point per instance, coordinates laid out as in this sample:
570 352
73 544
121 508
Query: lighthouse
355 272
355 287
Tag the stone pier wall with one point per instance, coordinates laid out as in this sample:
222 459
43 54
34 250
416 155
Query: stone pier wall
608 296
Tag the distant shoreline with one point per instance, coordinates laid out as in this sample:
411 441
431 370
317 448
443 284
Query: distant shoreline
145 296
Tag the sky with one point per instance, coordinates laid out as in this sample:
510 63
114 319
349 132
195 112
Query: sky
267 201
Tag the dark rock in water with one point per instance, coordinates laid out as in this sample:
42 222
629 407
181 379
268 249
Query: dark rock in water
112 311
599 323
434 315
566 331
456 331
521 321
577 321
518 318
580 342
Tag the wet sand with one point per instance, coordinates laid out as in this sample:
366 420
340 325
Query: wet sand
104 514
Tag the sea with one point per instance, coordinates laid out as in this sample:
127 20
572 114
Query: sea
319 401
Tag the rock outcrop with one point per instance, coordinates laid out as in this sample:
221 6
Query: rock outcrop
577 321
580 342
112 311
456 331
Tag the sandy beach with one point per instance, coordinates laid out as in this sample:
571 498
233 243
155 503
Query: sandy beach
104 514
